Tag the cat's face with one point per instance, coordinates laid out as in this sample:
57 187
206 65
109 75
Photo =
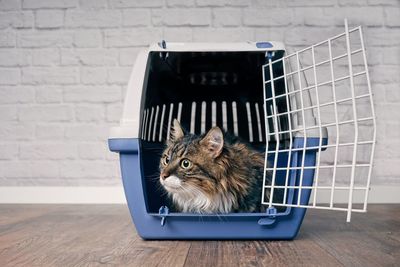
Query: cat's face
187 165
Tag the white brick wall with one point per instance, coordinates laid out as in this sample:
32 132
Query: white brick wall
64 65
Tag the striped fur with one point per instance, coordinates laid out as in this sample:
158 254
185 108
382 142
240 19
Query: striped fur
225 175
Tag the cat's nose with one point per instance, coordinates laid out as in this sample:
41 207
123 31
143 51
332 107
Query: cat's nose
164 175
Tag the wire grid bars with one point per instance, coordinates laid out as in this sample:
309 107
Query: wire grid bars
319 90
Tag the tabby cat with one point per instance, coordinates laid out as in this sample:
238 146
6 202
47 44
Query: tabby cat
211 173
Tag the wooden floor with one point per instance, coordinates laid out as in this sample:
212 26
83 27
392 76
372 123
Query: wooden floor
91 235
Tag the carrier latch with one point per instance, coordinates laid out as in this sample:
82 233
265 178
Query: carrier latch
163 211
271 213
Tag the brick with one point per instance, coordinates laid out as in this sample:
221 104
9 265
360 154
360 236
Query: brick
127 56
45 113
366 16
49 18
352 2
49 94
36 4
211 2
316 16
382 37
47 151
92 94
25 169
87 132
87 38
89 57
7 38
181 34
93 19
135 17
389 151
10 76
375 55
379 98
222 34
180 3
136 3
305 36
91 75
92 151
16 94
385 74
267 17
92 4
242 3
392 92
300 3
269 33
89 113
49 132
88 169
7 5
45 39
385 169
8 113
114 112
392 16
184 16
271 3
383 2
50 75
8 151
157 16
14 169
227 17
17 20
391 56
43 170
46 57
16 131
14 57
118 75
127 38
388 112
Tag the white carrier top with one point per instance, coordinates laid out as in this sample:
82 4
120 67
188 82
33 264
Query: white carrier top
129 124
218 47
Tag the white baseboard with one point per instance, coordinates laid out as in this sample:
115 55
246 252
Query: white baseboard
115 195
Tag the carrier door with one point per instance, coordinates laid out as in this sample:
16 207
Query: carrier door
324 91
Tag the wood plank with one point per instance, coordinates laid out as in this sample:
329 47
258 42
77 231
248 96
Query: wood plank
259 253
94 235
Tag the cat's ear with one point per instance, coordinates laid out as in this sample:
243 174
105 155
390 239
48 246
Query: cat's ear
213 141
176 131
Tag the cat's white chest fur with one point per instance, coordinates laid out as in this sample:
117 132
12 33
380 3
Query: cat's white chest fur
193 200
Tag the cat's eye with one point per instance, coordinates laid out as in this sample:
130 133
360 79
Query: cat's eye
165 160
186 164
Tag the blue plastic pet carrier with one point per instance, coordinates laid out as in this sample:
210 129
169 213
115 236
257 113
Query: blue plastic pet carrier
283 105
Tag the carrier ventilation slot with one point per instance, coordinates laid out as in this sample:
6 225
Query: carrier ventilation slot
241 119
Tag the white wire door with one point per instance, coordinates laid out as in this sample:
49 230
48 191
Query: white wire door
320 126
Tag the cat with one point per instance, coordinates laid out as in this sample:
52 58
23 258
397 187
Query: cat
211 173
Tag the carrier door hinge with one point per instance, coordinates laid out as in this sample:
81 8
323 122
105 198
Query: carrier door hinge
163 211
269 55
163 45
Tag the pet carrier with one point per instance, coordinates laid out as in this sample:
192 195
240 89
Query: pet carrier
283 105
